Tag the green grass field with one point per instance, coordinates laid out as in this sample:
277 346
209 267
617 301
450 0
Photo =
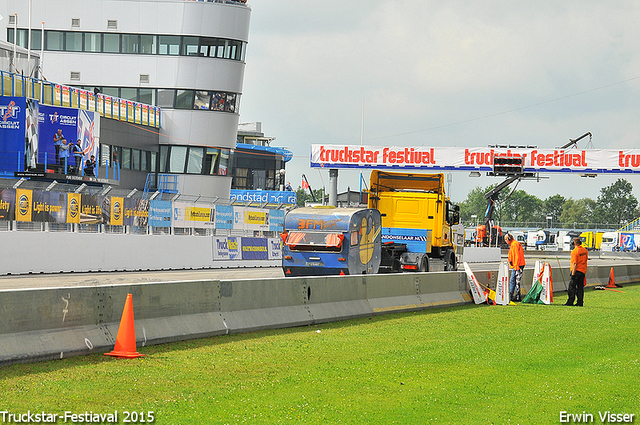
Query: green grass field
463 365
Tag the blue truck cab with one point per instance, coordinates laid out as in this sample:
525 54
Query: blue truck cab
331 241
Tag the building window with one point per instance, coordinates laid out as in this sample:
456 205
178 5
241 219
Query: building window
148 44
190 46
153 167
225 102
116 157
203 100
224 162
147 96
194 165
169 45
177 159
165 98
104 155
164 154
111 43
126 158
73 41
54 40
130 43
93 42
144 161
111 91
129 94
210 160
36 39
184 99
135 159
240 178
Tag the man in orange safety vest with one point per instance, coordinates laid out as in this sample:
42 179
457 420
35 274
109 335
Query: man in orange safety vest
516 264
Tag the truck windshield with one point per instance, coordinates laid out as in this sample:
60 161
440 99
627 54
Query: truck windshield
314 241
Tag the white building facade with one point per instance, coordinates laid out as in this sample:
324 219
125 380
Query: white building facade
188 57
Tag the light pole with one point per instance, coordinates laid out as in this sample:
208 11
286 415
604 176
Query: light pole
474 217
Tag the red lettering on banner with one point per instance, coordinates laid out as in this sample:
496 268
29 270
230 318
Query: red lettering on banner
408 156
558 159
628 160
349 156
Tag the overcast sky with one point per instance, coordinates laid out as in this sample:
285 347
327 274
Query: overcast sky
454 73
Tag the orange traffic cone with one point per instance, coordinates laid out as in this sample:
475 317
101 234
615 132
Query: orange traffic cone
126 339
612 280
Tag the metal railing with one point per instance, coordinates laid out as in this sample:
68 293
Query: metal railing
53 94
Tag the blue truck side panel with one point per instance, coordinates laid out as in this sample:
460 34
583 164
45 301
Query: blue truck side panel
415 239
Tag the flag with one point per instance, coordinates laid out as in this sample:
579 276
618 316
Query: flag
305 185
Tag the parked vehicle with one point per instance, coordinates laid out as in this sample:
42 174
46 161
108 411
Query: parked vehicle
620 241
410 225
542 240
416 211
591 240
329 241
565 239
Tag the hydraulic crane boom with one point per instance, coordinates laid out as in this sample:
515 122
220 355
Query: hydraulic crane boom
492 232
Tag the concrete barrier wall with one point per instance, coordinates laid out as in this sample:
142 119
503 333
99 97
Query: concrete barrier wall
52 323
53 252
67 252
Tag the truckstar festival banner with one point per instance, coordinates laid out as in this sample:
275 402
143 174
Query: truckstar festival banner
475 159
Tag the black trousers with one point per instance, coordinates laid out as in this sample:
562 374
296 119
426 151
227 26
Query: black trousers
576 288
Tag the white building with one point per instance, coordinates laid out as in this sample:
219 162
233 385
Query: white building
185 56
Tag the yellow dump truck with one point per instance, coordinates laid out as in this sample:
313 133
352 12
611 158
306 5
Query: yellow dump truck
416 211
591 240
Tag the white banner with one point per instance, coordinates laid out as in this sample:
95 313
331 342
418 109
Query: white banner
475 159
229 248
275 248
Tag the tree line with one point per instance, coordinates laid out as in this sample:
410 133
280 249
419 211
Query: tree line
615 207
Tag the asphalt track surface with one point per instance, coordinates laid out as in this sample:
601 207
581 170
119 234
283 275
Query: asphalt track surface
34 281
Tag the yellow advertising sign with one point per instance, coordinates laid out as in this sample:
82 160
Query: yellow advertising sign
73 208
117 209
255 217
199 214
24 201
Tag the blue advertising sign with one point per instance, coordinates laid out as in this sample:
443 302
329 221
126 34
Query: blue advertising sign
49 207
224 217
7 204
136 212
263 196
276 220
255 249
60 127
627 243
12 133
160 213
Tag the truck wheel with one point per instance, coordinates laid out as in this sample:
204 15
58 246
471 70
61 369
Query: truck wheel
450 261
424 265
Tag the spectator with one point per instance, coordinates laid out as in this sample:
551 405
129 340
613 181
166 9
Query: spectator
77 155
89 166
57 142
